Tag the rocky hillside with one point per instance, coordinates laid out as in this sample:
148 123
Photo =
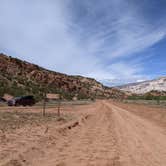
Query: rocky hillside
18 77
147 86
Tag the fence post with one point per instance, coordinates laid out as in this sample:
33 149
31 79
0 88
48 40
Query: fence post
59 104
44 104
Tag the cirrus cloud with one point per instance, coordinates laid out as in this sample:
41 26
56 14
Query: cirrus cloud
104 40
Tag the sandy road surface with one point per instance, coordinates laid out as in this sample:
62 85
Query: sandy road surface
140 141
110 136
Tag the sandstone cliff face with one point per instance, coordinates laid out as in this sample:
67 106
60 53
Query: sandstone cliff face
147 86
29 78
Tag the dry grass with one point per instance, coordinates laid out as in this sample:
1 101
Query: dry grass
147 102
15 120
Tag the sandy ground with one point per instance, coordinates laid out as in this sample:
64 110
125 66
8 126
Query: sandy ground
104 133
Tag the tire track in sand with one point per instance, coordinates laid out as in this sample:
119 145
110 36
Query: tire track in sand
111 136
92 143
140 142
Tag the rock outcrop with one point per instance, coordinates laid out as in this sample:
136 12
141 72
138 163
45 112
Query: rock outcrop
19 77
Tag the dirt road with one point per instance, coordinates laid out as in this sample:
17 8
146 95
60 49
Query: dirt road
109 136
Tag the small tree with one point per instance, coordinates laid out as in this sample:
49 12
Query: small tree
158 100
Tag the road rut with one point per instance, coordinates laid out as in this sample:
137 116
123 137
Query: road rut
110 136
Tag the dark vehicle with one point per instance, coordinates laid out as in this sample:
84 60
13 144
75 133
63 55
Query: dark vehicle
2 100
24 101
11 102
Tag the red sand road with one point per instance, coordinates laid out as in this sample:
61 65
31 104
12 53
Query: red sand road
108 136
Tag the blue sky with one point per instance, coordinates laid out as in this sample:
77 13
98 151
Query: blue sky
114 41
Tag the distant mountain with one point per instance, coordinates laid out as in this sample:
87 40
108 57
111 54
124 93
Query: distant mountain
19 77
146 86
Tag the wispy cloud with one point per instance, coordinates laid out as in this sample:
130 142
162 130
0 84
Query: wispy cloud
98 39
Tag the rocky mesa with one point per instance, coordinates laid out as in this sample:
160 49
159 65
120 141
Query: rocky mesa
156 85
19 77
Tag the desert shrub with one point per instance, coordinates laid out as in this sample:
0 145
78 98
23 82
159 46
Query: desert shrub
162 97
16 91
147 97
67 95
82 96
2 91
